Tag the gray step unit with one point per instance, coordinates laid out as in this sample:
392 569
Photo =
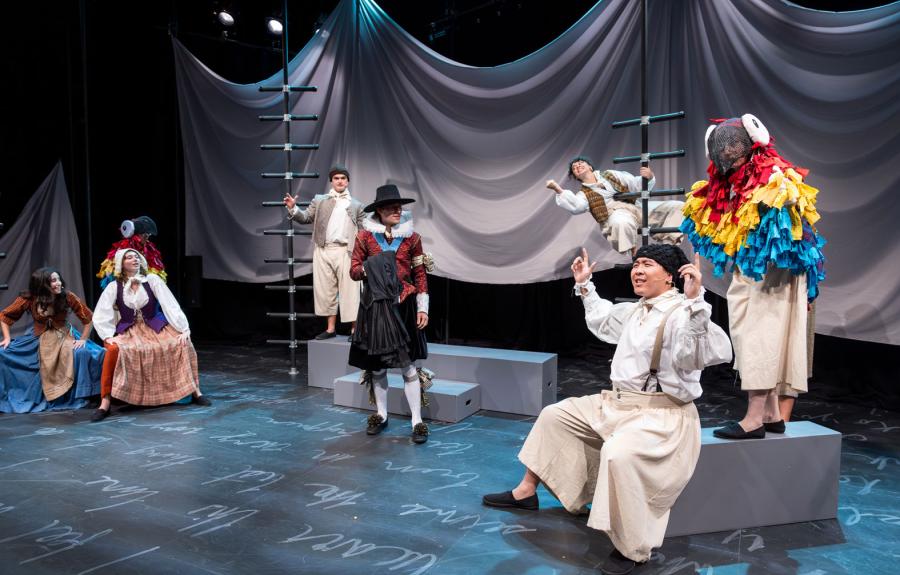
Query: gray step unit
520 382
739 484
449 401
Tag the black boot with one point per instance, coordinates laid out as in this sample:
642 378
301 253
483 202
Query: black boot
377 424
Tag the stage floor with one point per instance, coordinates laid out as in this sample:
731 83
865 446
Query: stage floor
274 479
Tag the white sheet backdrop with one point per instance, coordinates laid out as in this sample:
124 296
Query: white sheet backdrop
474 146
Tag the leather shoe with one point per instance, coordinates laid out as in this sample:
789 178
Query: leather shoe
618 564
506 499
774 426
326 335
99 415
420 433
201 400
377 424
735 431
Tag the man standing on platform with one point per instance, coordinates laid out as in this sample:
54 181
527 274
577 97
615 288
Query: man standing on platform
336 218
629 451
620 220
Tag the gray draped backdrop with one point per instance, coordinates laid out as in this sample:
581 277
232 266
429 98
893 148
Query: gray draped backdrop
474 146
44 234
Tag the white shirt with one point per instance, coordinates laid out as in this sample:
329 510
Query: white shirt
690 343
338 223
577 203
106 316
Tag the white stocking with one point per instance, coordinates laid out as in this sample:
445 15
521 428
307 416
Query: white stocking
412 389
380 385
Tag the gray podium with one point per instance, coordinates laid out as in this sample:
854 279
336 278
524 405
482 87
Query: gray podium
781 479
521 382
449 401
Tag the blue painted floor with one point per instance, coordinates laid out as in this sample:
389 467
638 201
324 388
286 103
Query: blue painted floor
274 479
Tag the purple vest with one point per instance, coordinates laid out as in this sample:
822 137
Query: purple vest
153 315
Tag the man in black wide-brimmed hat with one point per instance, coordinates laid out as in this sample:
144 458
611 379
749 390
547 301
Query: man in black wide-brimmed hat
390 324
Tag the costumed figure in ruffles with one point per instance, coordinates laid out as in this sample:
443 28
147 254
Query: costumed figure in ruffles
756 217
150 359
389 259
135 236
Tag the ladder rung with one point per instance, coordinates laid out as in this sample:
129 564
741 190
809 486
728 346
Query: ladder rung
664 230
288 288
275 204
652 119
288 233
290 175
288 315
287 342
285 147
288 261
287 88
4 287
289 118
652 156
653 194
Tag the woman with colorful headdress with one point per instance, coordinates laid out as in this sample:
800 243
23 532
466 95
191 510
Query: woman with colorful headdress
136 236
150 359
756 217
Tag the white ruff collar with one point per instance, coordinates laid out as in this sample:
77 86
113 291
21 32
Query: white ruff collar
402 230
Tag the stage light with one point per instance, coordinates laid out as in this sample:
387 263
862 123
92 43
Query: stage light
275 27
225 18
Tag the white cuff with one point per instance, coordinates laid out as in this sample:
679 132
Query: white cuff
422 302
294 210
588 286
697 303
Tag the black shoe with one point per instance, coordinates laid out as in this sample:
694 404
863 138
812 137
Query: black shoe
420 433
99 415
201 400
618 564
326 335
377 424
735 431
506 499
774 426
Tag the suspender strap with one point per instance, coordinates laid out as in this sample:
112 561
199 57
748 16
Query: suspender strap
657 349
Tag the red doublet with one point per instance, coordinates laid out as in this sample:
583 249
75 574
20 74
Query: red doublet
413 278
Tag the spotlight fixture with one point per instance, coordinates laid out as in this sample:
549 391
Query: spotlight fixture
275 27
225 18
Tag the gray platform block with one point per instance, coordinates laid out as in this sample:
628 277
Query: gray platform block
781 479
521 382
449 401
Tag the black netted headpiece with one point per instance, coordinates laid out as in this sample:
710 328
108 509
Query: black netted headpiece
671 259
728 143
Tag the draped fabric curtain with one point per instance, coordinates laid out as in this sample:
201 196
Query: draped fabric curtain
44 234
474 146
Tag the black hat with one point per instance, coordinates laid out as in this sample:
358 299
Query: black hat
139 225
669 257
338 169
387 194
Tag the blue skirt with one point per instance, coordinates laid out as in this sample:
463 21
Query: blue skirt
20 377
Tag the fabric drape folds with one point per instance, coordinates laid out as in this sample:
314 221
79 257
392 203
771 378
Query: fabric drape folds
474 146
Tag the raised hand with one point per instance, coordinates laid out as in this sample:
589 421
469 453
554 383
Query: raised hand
692 277
581 271
290 201
551 184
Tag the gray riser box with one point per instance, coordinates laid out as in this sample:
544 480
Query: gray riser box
781 479
449 401
521 382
